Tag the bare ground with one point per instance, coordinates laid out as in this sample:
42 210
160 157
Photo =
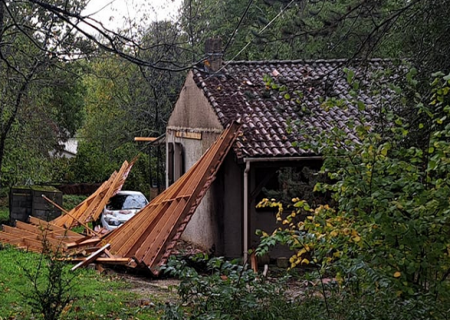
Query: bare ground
150 290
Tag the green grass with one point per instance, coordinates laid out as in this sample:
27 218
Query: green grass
4 215
98 296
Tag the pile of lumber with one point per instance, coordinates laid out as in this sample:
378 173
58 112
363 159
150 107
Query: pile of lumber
147 239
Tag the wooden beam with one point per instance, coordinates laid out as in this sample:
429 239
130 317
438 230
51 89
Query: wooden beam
92 257
70 215
89 241
116 261
145 139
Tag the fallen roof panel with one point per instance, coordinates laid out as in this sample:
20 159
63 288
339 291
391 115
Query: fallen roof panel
147 239
150 235
91 208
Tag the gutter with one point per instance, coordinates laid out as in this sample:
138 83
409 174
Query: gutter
248 162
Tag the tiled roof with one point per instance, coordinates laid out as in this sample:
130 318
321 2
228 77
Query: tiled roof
270 118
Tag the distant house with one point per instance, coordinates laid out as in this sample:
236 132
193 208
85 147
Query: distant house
67 149
227 219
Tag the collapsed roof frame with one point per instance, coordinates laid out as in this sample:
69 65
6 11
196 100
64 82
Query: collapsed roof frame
148 238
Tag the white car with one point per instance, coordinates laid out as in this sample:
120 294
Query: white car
121 207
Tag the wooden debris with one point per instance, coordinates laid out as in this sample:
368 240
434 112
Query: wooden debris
91 258
91 208
150 236
57 234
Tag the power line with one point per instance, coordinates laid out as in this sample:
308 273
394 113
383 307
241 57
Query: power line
248 43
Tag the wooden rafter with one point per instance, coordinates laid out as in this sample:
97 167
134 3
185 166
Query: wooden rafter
147 239
150 235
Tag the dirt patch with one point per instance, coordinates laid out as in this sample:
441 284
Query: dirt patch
151 290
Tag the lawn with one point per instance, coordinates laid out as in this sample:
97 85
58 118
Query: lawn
97 296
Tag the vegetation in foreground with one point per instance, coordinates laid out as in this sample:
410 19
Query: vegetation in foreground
93 296
230 290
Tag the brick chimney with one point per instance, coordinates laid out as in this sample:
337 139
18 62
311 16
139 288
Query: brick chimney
213 51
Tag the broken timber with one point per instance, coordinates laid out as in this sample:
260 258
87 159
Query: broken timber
147 239
91 208
30 235
150 235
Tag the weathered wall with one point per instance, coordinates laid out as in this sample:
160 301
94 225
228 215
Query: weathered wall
194 124
200 229
193 110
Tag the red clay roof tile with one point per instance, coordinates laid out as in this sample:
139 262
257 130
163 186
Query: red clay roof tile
271 120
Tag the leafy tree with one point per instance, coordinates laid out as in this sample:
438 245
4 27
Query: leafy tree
88 34
124 101
33 117
389 223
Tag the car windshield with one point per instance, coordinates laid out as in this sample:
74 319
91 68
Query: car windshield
126 202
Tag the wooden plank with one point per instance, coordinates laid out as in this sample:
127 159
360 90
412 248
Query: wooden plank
11 238
86 227
145 139
91 258
40 231
89 241
142 223
115 261
94 210
60 230
213 161
125 240
147 217
17 232
80 208
153 243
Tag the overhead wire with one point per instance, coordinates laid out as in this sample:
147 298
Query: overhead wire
248 43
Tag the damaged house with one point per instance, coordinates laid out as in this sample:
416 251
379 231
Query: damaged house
275 101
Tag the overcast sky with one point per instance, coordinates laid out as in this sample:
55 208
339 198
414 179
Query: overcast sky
112 12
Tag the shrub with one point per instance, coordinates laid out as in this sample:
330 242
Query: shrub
228 290
52 284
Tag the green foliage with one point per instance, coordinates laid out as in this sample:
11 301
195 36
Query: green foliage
91 164
228 291
124 102
41 94
98 296
4 215
52 286
71 201
387 231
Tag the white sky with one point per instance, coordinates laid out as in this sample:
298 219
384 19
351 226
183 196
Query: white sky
112 12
